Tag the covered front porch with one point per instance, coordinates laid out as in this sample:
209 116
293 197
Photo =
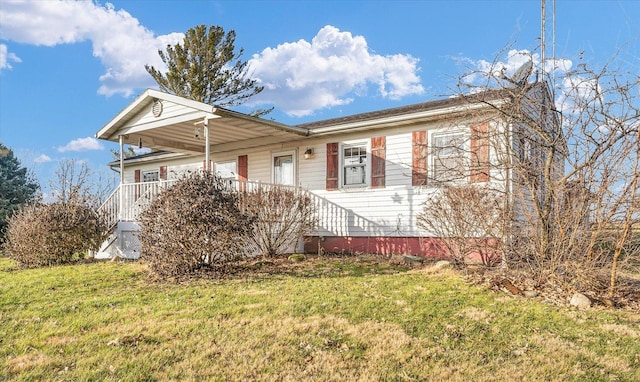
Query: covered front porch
179 128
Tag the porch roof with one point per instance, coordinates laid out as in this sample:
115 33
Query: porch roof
164 121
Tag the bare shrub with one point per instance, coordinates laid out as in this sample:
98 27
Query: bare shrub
50 234
60 232
283 215
196 223
469 221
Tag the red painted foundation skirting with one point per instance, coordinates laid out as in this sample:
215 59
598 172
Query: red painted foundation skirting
425 247
428 247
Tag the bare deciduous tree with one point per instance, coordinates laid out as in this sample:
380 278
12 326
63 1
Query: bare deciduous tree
75 182
573 162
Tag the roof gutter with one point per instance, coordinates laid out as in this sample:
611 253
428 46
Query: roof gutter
279 126
380 123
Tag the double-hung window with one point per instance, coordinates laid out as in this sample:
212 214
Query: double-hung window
226 170
450 159
284 168
151 176
354 165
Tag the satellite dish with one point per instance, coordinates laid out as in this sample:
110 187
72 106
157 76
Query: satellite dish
521 75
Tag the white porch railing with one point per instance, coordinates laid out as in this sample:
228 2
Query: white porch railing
331 218
128 200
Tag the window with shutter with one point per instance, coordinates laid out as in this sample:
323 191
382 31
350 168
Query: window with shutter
419 158
449 161
151 176
332 166
354 165
243 167
479 171
243 171
378 161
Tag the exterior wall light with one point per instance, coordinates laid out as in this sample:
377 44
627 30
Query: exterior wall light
309 153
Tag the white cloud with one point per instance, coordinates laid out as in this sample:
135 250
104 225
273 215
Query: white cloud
119 41
81 144
42 158
576 92
301 77
7 57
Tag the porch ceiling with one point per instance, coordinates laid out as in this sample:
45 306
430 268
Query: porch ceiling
176 132
225 133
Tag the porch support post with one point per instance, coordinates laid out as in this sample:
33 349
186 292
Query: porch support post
120 192
207 149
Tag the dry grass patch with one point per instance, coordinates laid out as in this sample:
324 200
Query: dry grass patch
622 330
28 361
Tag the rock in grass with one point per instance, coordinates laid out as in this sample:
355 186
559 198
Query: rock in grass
580 301
413 259
442 264
297 257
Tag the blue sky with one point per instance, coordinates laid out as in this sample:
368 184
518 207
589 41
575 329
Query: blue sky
67 68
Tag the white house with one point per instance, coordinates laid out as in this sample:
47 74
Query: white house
368 173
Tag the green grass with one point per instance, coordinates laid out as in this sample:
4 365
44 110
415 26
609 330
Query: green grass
334 320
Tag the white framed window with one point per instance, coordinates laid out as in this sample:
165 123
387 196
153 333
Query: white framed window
226 170
449 157
151 176
354 165
283 168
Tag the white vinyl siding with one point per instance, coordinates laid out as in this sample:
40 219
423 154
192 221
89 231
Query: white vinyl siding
356 210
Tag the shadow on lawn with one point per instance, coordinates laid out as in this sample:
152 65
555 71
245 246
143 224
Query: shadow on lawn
310 266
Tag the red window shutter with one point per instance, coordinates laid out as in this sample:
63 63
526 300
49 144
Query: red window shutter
378 161
243 172
332 166
419 158
243 167
163 172
479 171
136 178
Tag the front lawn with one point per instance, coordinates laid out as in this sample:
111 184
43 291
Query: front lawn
320 319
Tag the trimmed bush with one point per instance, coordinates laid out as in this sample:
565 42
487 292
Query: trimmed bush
49 234
283 215
196 223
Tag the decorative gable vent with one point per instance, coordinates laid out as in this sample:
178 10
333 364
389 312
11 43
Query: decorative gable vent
157 108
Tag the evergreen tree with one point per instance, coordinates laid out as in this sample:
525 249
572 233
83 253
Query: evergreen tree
206 68
17 187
